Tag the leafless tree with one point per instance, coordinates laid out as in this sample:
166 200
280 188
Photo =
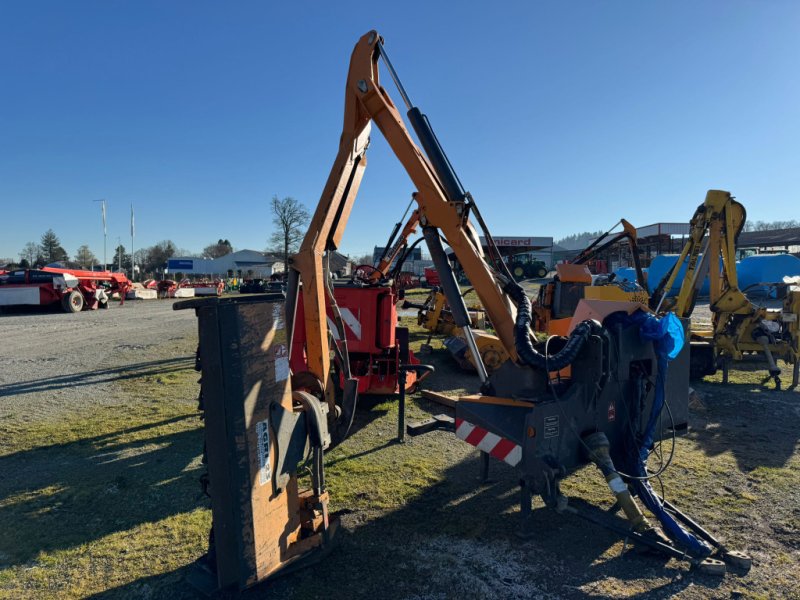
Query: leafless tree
289 217
30 253
365 259
84 257
770 225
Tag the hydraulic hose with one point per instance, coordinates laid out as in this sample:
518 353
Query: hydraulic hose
522 337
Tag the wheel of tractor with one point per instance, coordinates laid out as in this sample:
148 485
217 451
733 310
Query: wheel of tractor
542 272
72 302
518 272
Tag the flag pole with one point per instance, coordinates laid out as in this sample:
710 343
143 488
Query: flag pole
133 260
105 234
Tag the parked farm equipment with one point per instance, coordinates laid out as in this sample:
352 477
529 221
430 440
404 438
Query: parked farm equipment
204 287
74 289
284 377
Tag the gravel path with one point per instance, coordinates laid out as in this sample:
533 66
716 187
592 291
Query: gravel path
52 362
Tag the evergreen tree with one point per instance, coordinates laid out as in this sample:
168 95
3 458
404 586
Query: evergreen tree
50 248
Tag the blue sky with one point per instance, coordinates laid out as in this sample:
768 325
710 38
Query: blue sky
559 117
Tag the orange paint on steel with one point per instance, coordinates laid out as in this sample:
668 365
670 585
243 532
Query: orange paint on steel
365 101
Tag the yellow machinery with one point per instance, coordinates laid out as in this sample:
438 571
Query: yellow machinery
738 327
557 300
556 304
435 316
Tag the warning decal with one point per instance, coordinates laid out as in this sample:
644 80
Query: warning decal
281 362
264 465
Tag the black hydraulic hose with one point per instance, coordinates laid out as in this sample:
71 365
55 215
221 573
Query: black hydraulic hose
404 256
522 337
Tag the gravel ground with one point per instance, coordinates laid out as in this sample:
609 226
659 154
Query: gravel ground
54 360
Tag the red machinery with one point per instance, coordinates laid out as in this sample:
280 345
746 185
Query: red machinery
204 287
368 316
432 277
75 289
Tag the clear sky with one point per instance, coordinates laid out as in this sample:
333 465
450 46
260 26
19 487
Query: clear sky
559 117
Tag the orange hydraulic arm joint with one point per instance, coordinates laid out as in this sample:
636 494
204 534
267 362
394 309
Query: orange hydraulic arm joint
443 208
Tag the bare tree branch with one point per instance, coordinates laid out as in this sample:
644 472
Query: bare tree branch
289 217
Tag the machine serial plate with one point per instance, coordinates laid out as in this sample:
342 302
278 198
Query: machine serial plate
551 427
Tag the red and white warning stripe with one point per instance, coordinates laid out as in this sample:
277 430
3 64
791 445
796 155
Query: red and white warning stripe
485 440
351 322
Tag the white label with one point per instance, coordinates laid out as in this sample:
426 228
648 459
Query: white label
277 316
281 362
281 369
265 468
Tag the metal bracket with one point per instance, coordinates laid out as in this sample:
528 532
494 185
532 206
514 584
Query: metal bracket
441 422
291 438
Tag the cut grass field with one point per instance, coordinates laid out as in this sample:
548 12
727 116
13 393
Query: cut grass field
105 503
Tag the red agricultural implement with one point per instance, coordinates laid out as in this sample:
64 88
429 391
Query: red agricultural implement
74 289
432 277
377 350
204 287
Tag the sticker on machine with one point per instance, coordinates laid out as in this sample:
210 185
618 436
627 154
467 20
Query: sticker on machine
264 465
281 362
551 426
277 315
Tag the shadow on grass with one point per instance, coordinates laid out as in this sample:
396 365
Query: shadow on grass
132 371
759 427
64 495
457 540
170 586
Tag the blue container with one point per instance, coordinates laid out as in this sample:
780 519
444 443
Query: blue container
661 265
766 268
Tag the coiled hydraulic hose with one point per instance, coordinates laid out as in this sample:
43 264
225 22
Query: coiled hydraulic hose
522 337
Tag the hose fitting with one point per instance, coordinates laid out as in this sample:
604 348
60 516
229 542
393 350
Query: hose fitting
598 445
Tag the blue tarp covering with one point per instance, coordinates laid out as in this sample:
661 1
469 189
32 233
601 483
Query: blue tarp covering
766 268
627 273
760 268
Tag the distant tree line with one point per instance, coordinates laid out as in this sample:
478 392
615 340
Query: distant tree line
578 241
48 250
770 225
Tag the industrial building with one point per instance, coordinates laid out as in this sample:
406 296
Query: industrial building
242 263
